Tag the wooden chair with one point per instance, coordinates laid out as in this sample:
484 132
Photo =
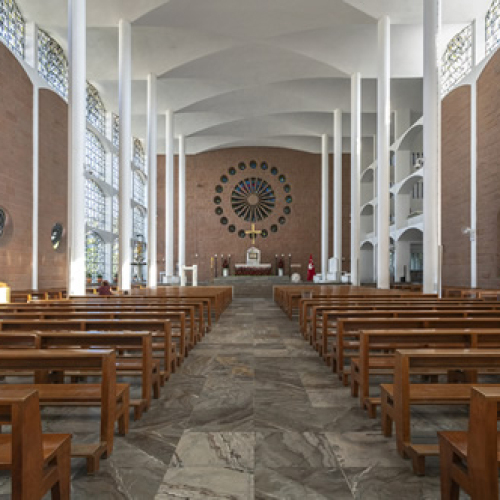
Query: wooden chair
470 460
37 462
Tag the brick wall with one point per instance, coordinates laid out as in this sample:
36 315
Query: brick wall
206 236
53 187
456 134
16 145
488 174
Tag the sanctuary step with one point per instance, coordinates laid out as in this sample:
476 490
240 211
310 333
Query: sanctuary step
230 280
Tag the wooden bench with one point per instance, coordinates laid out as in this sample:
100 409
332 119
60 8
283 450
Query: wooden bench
112 398
37 462
377 354
470 459
398 398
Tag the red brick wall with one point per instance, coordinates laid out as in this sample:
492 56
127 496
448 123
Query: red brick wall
53 187
16 146
206 236
456 134
488 174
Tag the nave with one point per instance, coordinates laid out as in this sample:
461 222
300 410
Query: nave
253 412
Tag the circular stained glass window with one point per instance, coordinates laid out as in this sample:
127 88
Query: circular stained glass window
224 179
232 171
253 199
264 165
3 220
282 220
224 221
217 200
219 211
274 228
56 235
232 228
253 164
288 199
287 210
282 178
287 188
219 189
265 233
274 171
241 233
242 166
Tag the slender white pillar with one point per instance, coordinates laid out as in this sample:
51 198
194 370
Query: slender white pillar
337 192
77 107
355 175
125 105
36 176
324 206
169 195
383 154
182 201
152 180
432 148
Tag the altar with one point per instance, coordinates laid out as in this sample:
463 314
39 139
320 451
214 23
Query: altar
253 265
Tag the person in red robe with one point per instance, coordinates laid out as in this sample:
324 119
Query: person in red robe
311 271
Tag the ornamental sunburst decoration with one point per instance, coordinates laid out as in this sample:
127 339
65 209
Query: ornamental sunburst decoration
253 199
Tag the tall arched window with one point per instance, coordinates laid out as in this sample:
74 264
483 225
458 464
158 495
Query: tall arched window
52 63
139 223
139 155
139 189
96 112
95 156
457 59
12 27
95 255
95 205
493 27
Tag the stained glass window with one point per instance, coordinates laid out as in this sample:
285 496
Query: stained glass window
95 255
116 214
95 205
139 155
139 189
457 59
116 130
12 26
96 112
139 223
52 63
493 27
253 199
95 156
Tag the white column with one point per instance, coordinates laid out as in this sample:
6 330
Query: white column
431 139
324 206
182 201
337 192
478 41
355 175
125 105
152 180
77 107
169 195
383 154
36 176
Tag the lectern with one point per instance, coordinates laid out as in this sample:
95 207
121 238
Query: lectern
4 293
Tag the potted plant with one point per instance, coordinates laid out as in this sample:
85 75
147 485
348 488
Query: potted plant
89 278
99 278
225 268
281 267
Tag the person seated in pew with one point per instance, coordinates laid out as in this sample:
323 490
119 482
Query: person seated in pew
105 288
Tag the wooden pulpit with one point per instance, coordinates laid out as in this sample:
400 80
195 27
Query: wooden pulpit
4 293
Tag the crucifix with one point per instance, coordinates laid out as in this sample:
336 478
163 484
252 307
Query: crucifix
253 233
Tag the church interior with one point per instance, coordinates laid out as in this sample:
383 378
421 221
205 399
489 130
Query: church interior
249 250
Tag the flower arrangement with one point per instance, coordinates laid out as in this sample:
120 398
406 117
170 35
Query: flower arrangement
225 264
281 263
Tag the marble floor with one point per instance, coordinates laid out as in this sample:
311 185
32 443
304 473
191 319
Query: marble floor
253 413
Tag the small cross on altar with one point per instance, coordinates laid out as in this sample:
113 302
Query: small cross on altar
253 233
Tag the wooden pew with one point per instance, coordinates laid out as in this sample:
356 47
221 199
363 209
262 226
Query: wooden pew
112 398
347 333
377 354
470 459
37 462
398 398
160 330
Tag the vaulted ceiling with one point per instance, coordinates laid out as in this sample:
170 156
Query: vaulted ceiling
260 72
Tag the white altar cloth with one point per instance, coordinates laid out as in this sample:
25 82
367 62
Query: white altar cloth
253 266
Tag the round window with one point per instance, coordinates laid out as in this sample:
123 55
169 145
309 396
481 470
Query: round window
274 228
264 166
232 228
219 189
282 178
253 164
274 171
3 221
224 221
242 166
282 220
224 179
241 233
287 210
217 200
253 199
219 211
232 171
